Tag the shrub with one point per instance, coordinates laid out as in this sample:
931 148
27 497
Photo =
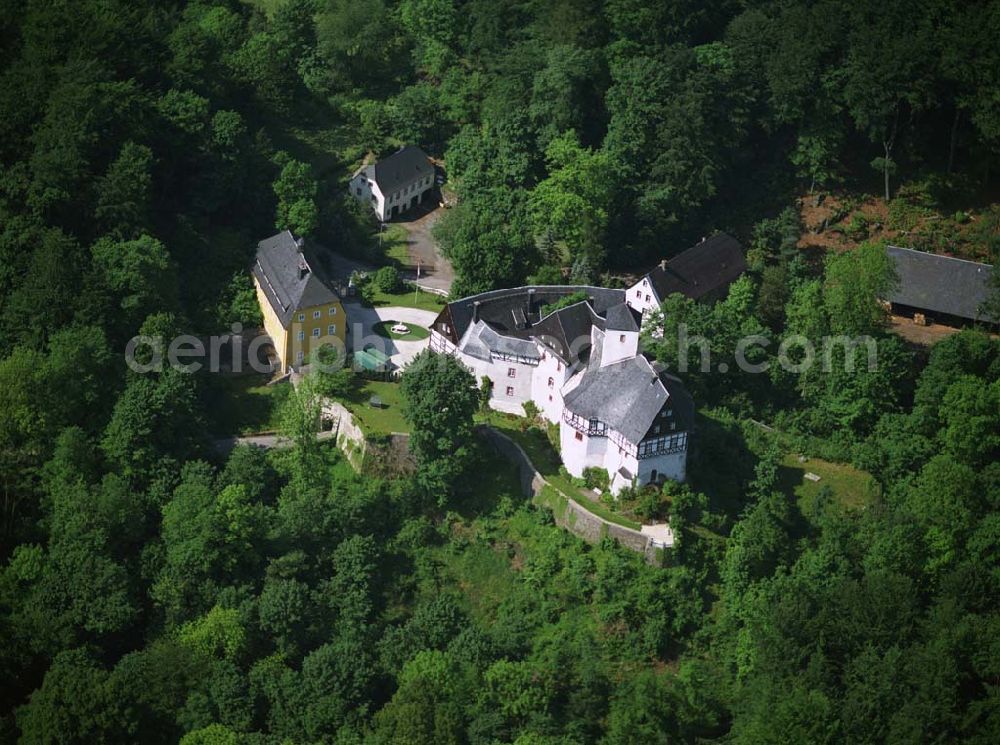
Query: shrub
387 279
596 478
651 504
485 391
857 228
531 412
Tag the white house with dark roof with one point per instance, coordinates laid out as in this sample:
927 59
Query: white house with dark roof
702 272
581 366
394 184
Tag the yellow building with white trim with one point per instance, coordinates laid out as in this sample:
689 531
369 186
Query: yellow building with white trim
302 310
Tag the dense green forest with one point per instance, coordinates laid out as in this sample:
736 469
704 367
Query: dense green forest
151 590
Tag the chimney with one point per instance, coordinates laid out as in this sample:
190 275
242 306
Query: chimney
663 265
475 311
531 301
303 267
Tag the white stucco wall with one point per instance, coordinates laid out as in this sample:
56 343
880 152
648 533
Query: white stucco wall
618 346
368 189
520 384
578 454
549 398
615 459
641 296
408 196
573 451
671 465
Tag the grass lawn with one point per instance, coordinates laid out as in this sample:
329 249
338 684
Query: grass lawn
415 333
245 404
395 246
388 418
853 489
536 444
411 298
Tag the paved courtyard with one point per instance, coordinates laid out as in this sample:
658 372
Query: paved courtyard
362 322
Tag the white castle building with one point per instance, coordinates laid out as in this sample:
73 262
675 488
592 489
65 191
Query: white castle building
581 365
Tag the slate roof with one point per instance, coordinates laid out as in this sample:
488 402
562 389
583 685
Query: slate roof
291 276
940 284
711 265
483 339
403 167
567 331
497 307
628 396
621 317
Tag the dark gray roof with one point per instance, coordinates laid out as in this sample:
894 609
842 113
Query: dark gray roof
291 275
567 331
403 167
622 318
711 265
483 339
627 396
498 307
940 284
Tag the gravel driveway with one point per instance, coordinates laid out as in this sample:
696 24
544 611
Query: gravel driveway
435 270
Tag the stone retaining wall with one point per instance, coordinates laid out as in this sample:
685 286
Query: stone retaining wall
388 455
349 436
576 518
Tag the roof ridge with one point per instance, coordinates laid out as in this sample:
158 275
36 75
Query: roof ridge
938 256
